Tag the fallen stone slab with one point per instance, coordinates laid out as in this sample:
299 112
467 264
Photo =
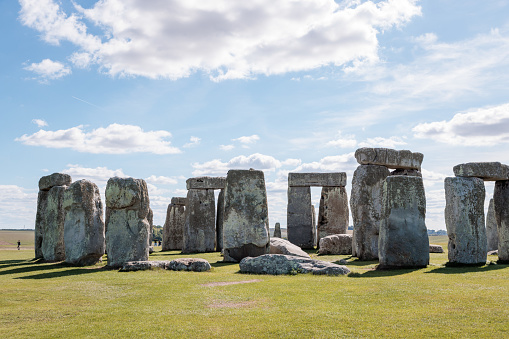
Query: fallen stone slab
336 244
144 265
488 171
213 183
336 179
189 264
276 264
435 249
282 246
390 158
55 179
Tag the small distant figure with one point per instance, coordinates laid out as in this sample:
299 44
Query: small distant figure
159 242
19 244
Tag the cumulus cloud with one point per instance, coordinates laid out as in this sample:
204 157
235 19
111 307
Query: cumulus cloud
218 168
334 163
194 141
226 39
48 69
343 141
39 122
479 127
226 147
391 142
154 179
247 140
17 206
113 139
98 175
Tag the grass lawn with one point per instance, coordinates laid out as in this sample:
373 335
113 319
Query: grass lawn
53 300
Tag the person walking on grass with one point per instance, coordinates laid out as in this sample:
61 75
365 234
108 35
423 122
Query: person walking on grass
19 244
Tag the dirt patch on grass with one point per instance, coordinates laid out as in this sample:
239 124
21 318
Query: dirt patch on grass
226 304
224 283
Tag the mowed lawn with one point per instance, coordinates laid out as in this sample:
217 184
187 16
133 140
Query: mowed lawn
54 300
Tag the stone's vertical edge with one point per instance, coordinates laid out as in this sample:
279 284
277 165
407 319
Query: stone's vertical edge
42 201
501 207
333 215
246 216
403 240
127 226
277 230
366 209
313 224
299 217
219 221
200 221
464 220
491 227
52 245
150 219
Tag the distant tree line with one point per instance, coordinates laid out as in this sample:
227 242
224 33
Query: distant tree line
157 233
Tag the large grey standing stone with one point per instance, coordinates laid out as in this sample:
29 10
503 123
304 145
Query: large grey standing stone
336 244
464 219
246 216
333 214
501 205
277 264
390 158
277 230
84 224
220 221
491 227
300 217
200 225
173 228
403 240
366 208
127 226
49 220
488 171
282 246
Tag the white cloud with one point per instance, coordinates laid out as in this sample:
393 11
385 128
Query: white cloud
245 140
226 147
48 69
218 168
18 206
291 162
194 141
480 127
161 180
335 163
39 122
114 139
391 142
343 141
226 39
98 175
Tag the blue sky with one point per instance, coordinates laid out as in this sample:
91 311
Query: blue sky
167 90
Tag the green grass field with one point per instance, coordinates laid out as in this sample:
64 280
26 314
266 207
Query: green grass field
53 300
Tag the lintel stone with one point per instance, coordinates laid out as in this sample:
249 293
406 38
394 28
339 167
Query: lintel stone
389 158
336 179
488 171
178 201
213 183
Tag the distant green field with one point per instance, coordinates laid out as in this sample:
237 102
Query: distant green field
9 239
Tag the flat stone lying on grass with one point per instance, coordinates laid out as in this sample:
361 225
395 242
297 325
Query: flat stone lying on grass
182 264
488 171
282 246
389 158
336 244
435 249
277 264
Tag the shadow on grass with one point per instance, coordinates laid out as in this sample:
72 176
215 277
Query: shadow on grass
467 269
65 273
382 273
223 264
12 263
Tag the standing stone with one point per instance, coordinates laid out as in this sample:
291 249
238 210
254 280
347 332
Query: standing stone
491 228
150 219
173 228
501 205
246 217
403 240
127 226
277 230
219 221
313 224
464 219
200 225
300 217
49 224
333 214
84 224
366 208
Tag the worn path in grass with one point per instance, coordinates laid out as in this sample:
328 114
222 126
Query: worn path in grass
46 300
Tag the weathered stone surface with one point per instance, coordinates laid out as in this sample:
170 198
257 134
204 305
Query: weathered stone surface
179 201
144 265
173 228
127 226
300 218
206 183
366 208
389 158
491 227
335 179
313 223
200 224
55 179
403 240
246 217
336 244
282 246
488 171
435 249
189 264
277 230
84 224
42 200
410 172
49 228
464 219
501 206
333 214
150 219
220 221
277 264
